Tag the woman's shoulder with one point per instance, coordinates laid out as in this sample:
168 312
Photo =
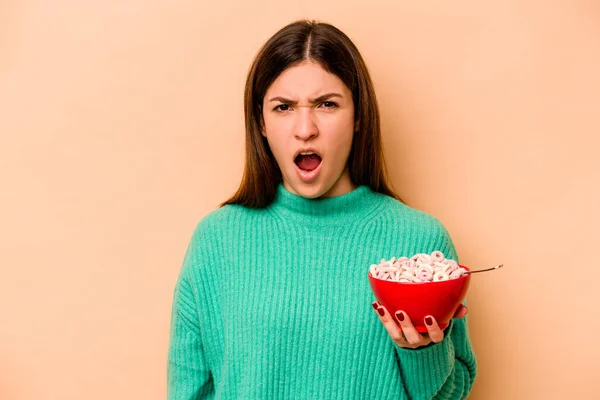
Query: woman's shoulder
401 213
223 218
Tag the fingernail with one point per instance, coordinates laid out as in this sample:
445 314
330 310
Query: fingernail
400 316
374 304
381 311
428 321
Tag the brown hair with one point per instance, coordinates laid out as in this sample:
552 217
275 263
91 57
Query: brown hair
334 51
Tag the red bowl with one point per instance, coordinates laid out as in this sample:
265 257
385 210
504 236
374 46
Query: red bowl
418 300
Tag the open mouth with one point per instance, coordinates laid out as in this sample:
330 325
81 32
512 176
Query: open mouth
308 161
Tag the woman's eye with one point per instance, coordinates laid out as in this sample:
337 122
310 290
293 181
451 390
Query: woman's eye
286 107
282 107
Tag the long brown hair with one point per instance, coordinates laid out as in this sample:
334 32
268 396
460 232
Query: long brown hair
334 51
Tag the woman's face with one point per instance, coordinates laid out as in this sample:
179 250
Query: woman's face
308 110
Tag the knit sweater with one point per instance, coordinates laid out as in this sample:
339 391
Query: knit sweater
275 303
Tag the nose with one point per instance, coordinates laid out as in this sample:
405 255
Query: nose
306 128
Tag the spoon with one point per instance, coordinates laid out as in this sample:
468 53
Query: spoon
483 270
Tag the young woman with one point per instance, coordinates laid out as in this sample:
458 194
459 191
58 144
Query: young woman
273 300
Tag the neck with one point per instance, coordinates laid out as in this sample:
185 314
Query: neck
342 209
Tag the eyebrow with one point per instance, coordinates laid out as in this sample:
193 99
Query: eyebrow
313 101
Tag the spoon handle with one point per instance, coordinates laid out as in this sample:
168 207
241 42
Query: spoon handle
483 270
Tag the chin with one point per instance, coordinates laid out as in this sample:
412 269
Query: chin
311 190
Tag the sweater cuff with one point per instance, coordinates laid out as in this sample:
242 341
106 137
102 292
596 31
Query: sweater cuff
428 366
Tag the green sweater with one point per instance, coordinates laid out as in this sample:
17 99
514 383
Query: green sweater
275 303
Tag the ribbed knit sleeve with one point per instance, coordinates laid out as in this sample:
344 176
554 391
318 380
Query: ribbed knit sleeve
444 370
188 376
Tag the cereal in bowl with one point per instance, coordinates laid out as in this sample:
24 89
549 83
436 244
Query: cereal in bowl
419 268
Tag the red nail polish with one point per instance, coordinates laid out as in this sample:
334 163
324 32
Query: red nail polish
428 321
400 316
381 311
374 304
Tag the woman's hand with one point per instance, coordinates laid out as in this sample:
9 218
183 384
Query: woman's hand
406 335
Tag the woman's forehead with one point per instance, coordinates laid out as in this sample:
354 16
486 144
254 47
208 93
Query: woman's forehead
307 80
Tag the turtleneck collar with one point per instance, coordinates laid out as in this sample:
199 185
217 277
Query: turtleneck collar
356 204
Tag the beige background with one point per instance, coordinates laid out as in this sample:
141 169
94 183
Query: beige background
121 126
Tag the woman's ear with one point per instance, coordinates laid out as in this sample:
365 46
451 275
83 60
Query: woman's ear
261 127
261 123
357 125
